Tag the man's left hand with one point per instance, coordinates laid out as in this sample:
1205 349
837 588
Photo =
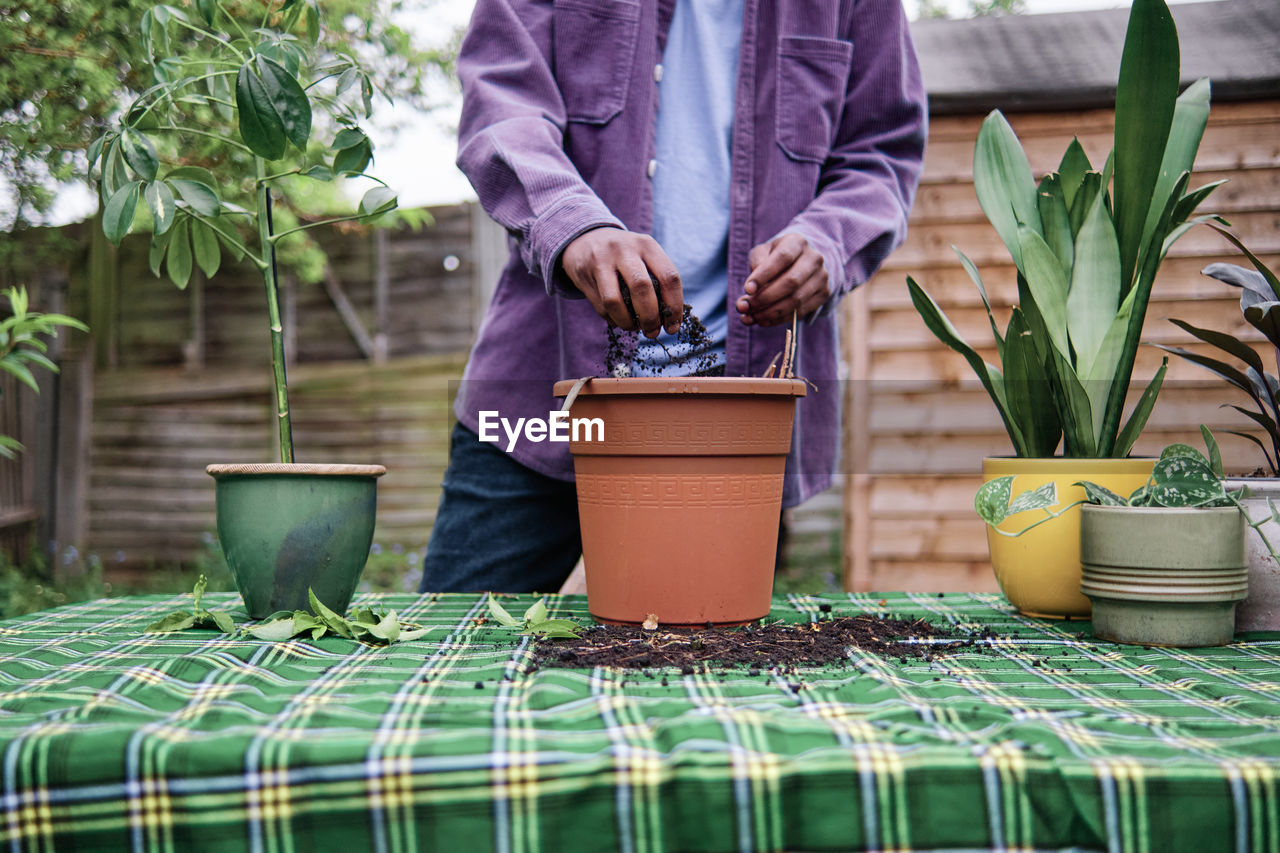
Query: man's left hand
787 274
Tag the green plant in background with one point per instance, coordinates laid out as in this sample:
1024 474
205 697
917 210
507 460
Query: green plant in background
21 348
1260 305
263 69
535 621
1087 245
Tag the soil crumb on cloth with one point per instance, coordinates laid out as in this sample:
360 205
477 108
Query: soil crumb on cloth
770 646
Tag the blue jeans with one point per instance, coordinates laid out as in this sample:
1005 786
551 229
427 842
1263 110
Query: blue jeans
500 526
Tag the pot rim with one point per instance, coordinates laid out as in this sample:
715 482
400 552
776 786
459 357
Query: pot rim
702 385
1159 510
293 469
1065 464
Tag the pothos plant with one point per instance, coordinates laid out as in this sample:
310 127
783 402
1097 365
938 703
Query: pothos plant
1182 477
258 70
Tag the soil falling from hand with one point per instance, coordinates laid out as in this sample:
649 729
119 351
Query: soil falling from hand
694 351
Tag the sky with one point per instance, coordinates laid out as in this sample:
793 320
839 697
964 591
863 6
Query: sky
418 155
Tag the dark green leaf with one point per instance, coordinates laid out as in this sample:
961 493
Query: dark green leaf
118 215
319 173
1055 221
178 620
336 623
288 100
1179 481
139 153
200 196
161 204
1180 449
353 160
204 243
261 127
312 22
1048 286
1190 201
1072 169
1086 196
349 137
1226 343
95 150
208 10
178 265
1190 114
1028 391
1145 97
1138 419
159 242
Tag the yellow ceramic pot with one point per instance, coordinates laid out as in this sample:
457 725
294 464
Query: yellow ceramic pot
1039 572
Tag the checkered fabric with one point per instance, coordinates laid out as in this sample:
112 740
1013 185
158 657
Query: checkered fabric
1041 739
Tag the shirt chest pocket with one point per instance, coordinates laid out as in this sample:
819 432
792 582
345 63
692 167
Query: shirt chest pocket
593 49
813 74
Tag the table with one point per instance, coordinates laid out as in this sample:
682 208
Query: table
1040 739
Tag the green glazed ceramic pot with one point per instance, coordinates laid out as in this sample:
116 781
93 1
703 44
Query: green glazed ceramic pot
1162 576
287 528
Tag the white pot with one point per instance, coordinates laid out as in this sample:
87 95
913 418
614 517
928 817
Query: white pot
1261 610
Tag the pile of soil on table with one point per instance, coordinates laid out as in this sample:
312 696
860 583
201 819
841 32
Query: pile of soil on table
777 645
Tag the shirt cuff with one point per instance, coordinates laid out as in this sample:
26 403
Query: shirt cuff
552 232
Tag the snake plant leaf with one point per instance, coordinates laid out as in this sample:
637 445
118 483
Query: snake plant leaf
1097 375
1215 454
1029 392
178 265
1048 286
1141 412
261 127
1100 495
1055 220
1076 410
1085 199
1190 115
1175 234
1227 343
1146 95
117 218
991 378
1004 183
1253 259
1188 203
1071 171
1094 298
972 269
161 203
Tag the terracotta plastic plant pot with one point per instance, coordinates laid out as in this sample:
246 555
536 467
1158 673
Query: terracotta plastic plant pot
287 528
679 504
1261 610
1039 572
1160 576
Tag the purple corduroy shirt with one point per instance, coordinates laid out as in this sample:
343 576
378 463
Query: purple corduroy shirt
560 103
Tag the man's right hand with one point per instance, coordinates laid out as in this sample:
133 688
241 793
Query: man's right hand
599 262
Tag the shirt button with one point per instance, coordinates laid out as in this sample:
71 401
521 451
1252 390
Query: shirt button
653 167
657 73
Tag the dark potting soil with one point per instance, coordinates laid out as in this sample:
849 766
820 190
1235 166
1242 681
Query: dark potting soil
777 645
693 353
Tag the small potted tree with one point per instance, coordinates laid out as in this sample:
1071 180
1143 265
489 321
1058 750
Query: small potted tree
1245 369
1087 243
249 79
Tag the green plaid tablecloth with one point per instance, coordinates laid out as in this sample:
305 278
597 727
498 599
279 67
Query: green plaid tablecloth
1039 740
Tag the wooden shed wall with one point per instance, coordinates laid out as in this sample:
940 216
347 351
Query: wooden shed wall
918 423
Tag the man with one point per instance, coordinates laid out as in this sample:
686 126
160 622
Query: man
753 158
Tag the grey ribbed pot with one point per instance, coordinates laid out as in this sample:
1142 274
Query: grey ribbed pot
1261 610
1163 577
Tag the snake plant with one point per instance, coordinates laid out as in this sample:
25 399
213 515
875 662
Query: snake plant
1260 305
1087 244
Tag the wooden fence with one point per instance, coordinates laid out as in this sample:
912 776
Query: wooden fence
918 423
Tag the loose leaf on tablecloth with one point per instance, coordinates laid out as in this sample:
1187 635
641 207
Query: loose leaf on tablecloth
365 625
198 617
536 621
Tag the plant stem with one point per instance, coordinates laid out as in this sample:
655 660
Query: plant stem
284 234
1049 516
269 276
223 139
